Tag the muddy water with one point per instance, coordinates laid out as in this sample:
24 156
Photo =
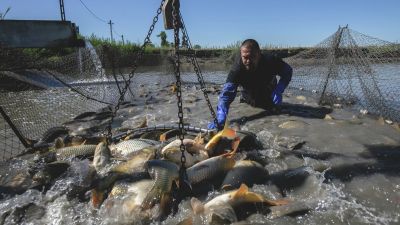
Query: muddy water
341 169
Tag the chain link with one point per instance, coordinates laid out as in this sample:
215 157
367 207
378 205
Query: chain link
175 14
139 56
197 70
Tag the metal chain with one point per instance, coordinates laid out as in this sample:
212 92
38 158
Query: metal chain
175 14
139 56
197 70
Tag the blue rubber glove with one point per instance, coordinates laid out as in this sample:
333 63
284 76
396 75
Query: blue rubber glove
212 126
226 97
277 93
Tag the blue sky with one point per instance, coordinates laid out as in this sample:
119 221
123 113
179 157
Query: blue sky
216 23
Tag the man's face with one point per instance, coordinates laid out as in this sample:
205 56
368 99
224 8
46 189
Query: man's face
250 58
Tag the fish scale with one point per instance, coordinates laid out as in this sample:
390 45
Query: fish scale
74 151
209 168
131 146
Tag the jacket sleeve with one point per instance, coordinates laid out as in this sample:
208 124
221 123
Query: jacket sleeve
226 97
285 74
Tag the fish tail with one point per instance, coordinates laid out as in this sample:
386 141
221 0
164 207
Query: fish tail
97 198
165 203
187 221
197 205
235 145
151 198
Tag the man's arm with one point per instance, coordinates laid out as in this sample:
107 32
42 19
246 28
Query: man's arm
285 73
226 97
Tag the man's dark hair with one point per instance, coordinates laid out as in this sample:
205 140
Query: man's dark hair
251 43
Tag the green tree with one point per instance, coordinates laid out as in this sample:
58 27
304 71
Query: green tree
163 37
197 47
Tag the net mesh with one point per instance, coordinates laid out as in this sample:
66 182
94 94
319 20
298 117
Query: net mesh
351 68
41 93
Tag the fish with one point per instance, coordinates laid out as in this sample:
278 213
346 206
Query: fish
126 148
164 173
191 145
136 162
225 133
126 198
215 214
248 141
75 151
102 156
247 172
168 134
50 172
59 143
235 198
210 168
133 123
174 154
133 169
292 209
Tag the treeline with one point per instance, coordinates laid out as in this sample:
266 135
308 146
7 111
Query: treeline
122 54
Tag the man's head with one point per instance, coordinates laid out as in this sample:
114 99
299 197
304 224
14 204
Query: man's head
250 54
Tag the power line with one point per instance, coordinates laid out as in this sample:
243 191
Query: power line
93 13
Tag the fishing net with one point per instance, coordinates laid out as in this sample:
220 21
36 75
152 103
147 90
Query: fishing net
354 69
38 94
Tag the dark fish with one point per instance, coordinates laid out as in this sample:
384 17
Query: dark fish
210 168
247 172
164 173
248 141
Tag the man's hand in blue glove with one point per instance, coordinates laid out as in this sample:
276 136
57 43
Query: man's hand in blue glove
277 93
212 126
218 126
276 98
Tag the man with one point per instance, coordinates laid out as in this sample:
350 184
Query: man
256 73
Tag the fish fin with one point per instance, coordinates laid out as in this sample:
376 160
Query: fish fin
103 139
144 123
187 221
173 88
59 143
163 137
235 145
199 139
197 205
122 159
228 132
241 192
213 142
226 187
151 198
126 138
97 197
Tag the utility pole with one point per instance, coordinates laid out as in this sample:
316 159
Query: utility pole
62 10
123 41
111 23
